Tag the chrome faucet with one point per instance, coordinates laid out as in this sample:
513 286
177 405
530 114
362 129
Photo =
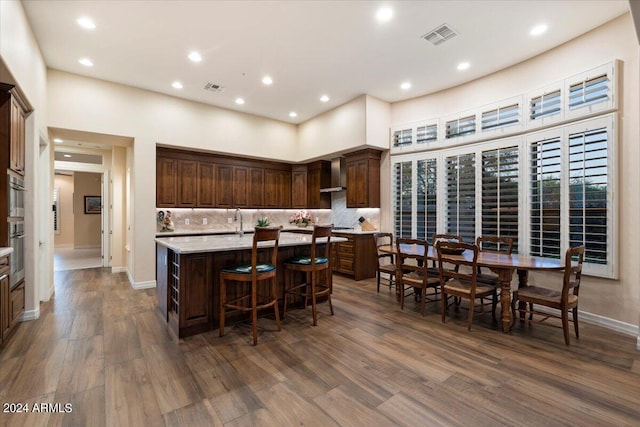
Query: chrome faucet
235 218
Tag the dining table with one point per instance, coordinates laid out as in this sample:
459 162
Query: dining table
502 264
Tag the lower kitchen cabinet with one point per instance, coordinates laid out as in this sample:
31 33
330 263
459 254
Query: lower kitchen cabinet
11 301
357 257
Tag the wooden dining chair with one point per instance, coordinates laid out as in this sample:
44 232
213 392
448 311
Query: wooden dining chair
433 270
563 300
252 273
461 282
493 244
411 270
386 264
313 266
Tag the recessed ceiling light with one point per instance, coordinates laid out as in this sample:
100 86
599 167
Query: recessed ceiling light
86 23
195 57
384 14
86 62
176 85
538 29
405 86
463 66
57 140
239 101
293 114
267 80
67 155
324 98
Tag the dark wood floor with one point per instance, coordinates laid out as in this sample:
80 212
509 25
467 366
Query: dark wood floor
101 347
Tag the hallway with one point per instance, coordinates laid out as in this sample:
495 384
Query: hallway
76 259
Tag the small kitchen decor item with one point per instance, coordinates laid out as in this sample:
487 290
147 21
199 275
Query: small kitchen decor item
301 218
167 222
262 222
92 204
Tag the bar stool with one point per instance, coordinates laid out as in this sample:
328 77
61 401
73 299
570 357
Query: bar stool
254 273
312 266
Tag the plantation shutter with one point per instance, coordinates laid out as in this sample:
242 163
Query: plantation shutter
402 204
461 127
461 196
426 134
501 117
402 138
426 177
545 198
545 105
589 92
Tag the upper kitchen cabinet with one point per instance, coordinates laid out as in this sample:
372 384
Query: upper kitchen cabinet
13 113
241 187
318 176
187 183
224 186
277 189
205 185
299 186
166 176
363 179
256 188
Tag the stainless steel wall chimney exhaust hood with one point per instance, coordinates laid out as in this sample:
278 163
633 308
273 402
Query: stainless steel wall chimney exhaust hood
338 176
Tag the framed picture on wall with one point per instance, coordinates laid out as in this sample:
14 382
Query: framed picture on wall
92 204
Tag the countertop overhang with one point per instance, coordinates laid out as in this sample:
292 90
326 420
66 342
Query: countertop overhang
222 243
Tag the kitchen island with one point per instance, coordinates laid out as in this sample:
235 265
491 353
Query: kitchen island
188 271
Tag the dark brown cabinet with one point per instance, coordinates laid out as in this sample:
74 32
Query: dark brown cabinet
11 301
357 257
224 186
363 179
318 176
187 183
299 187
240 187
205 185
17 138
256 188
166 176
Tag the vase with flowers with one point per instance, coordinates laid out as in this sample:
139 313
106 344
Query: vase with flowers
301 218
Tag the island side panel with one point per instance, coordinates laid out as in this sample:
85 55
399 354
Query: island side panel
162 272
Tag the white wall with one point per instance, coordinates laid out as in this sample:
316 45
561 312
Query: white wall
614 299
64 184
21 56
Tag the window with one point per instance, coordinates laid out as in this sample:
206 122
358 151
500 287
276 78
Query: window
500 204
427 134
461 196
461 127
588 183
545 105
546 168
402 138
501 117
589 92
426 198
402 204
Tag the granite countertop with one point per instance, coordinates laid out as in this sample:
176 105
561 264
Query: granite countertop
218 243
5 251
213 232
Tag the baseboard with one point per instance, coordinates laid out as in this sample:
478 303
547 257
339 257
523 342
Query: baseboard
64 246
140 285
118 269
605 322
86 247
143 285
30 314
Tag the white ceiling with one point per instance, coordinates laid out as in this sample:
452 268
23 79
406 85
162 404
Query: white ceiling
309 48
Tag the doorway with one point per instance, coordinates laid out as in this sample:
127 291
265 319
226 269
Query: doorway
78 220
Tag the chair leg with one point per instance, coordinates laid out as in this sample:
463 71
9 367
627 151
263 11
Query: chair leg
514 300
274 297
254 312
329 294
565 325
424 299
575 321
285 295
494 304
313 298
223 297
378 281
530 311
471 309
401 297
444 305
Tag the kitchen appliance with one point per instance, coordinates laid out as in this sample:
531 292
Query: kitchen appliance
338 176
16 241
15 192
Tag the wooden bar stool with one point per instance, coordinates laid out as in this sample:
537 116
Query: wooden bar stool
312 266
254 273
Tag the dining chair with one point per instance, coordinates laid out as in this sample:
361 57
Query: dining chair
411 270
312 266
563 300
386 264
433 270
253 273
462 282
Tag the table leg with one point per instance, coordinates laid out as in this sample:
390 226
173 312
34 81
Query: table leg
505 298
523 280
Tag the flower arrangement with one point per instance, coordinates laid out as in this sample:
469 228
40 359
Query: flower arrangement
301 218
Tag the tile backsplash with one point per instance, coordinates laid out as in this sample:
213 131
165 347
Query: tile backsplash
186 219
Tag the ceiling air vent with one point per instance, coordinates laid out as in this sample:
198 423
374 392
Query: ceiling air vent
212 87
440 35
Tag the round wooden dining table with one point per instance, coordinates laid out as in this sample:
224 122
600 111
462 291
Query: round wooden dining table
501 264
